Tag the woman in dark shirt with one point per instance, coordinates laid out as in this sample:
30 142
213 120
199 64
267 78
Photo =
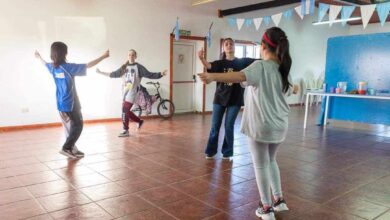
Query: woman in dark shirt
228 98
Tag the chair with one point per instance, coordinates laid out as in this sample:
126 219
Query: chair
312 85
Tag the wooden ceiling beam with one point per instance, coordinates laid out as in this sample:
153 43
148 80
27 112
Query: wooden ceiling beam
255 7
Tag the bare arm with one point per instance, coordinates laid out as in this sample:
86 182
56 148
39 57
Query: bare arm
38 56
102 73
201 54
96 61
231 77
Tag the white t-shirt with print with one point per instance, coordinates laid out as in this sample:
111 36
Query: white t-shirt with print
132 81
265 117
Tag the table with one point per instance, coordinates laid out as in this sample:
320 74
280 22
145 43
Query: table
327 95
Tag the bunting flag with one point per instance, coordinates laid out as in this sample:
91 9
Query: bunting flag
322 11
177 33
346 13
366 11
307 7
240 23
267 20
333 13
288 14
383 11
248 22
232 22
257 22
208 37
298 9
276 18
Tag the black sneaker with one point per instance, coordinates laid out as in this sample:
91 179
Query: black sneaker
140 124
68 153
77 153
265 214
280 205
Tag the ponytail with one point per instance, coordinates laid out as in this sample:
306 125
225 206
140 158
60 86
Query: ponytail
276 41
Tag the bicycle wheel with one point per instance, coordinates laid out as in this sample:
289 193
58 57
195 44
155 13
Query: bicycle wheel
166 109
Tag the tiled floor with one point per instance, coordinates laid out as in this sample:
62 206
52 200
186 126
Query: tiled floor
160 173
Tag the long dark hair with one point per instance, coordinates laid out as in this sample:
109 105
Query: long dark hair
223 54
280 46
124 66
58 52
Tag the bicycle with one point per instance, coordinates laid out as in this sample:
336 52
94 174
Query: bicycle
165 108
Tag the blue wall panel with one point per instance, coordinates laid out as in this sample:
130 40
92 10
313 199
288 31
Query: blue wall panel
359 58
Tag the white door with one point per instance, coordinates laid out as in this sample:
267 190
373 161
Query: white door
183 76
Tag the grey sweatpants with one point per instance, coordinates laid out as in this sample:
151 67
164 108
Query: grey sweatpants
266 170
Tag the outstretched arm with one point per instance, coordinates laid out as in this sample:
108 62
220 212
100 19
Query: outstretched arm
38 56
102 73
96 61
145 73
231 77
201 54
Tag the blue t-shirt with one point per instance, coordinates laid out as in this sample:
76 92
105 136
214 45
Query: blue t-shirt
63 76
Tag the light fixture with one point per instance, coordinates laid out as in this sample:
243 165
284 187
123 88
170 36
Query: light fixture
338 21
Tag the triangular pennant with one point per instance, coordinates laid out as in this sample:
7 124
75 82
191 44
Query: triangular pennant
298 10
276 18
232 22
383 11
366 11
257 22
177 32
346 13
312 7
240 22
267 20
322 10
333 13
209 39
287 14
248 22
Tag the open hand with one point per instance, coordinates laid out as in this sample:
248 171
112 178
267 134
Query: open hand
201 53
205 77
295 89
106 54
164 73
37 55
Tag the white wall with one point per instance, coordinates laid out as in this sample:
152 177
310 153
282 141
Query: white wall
91 26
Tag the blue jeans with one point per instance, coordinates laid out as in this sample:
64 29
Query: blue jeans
230 118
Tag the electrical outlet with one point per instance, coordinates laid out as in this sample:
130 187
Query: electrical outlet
25 110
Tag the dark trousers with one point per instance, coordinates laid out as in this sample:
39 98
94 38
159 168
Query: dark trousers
228 141
73 125
127 114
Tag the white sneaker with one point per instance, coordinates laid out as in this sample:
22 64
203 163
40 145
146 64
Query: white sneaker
265 214
280 205
124 133
209 157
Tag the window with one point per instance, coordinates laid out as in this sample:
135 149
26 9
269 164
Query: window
245 49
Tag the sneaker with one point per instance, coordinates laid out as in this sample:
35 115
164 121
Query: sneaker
140 124
124 133
209 156
267 214
68 153
77 153
280 205
226 157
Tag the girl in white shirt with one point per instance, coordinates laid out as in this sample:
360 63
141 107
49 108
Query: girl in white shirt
265 117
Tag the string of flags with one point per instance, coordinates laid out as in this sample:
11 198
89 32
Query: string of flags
307 8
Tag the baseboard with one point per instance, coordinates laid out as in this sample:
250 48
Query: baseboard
58 124
378 128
